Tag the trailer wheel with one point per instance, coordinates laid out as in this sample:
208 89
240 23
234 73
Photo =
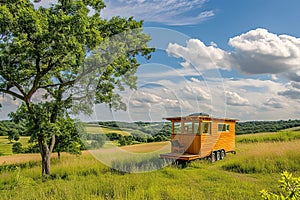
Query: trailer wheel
213 157
223 154
218 155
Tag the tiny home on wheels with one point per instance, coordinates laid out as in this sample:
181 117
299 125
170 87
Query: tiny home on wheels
201 136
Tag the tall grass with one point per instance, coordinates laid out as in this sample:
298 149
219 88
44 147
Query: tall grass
281 136
240 176
140 164
85 178
266 158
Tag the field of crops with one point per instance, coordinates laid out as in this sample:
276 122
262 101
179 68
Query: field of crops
94 128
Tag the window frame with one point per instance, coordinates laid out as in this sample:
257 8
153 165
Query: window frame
226 125
209 128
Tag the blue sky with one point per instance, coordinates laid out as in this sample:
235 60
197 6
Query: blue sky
228 58
233 58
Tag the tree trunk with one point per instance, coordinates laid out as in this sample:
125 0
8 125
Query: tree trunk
45 152
58 154
46 163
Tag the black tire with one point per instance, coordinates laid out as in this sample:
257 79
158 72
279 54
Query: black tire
213 157
218 155
223 154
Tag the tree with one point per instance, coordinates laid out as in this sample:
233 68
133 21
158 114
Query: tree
13 134
61 54
69 139
17 147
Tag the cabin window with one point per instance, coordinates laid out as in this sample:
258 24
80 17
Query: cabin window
196 128
206 128
186 128
223 127
191 128
177 127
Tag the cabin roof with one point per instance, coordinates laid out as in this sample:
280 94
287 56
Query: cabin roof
198 118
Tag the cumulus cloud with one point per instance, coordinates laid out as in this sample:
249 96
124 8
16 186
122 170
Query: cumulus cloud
255 52
292 91
274 103
147 100
293 75
198 55
235 99
259 51
172 12
295 85
194 91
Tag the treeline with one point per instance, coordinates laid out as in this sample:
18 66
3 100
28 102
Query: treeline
265 126
7 126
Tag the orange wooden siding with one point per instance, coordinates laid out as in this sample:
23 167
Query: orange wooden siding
204 144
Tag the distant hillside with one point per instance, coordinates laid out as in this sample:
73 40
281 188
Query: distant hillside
161 128
265 126
139 132
149 128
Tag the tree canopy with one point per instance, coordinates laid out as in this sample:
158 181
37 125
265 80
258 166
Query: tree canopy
64 57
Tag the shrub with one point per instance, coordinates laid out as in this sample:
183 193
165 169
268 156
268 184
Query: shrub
289 185
32 148
17 147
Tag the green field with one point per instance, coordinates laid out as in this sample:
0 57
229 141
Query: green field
281 136
256 166
5 145
97 129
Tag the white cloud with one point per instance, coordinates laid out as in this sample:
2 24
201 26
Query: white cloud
274 103
8 105
295 85
259 51
260 86
149 98
173 12
255 52
292 91
235 99
44 3
198 55
8 100
244 99
194 90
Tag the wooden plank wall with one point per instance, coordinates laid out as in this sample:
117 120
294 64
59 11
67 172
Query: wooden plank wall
218 140
190 142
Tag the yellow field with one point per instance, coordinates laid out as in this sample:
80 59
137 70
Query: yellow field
293 129
138 148
147 147
270 149
5 145
256 135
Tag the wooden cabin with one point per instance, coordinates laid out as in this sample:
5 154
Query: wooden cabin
201 136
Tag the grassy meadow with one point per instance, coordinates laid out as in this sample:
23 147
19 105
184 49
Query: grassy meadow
256 166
